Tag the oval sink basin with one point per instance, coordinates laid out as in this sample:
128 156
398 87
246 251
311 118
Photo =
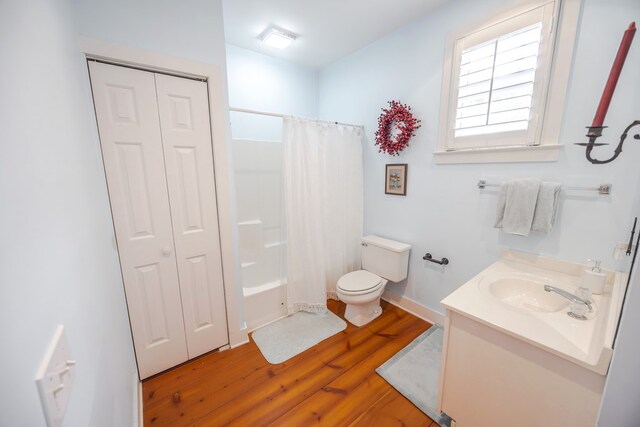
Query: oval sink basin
525 293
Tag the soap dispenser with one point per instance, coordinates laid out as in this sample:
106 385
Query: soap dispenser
594 279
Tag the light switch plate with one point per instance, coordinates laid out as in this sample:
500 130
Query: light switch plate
55 378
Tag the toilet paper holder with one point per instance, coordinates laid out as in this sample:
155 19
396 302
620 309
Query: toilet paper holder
429 257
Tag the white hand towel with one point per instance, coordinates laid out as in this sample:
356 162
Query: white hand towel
545 214
502 203
517 205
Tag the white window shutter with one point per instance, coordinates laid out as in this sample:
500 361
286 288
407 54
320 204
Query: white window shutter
499 82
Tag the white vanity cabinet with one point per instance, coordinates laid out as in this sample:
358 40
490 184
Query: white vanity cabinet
492 379
511 354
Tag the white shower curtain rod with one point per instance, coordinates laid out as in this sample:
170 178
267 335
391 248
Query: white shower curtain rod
266 113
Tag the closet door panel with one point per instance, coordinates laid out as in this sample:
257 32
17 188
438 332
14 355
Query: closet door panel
127 113
186 136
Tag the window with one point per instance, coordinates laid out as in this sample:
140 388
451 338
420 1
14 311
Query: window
497 80
495 84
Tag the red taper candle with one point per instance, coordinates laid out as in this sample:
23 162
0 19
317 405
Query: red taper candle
616 68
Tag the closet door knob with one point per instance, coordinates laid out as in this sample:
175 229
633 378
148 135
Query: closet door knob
166 251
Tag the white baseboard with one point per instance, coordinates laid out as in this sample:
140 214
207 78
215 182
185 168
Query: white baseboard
411 306
140 411
137 418
273 320
238 344
238 338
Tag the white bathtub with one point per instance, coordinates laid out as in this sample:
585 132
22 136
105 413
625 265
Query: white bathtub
264 304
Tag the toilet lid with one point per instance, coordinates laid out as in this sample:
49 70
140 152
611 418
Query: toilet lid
359 281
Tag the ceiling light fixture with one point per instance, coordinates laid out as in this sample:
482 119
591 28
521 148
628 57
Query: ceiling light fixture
277 38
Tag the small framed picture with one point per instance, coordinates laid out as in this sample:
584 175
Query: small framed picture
396 179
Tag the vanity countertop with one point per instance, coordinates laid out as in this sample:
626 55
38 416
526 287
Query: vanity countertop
587 343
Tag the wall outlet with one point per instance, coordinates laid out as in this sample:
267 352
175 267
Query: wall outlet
55 378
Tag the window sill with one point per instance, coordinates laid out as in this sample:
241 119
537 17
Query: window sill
537 153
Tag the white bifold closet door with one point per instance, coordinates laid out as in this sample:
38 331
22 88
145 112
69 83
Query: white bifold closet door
156 143
186 137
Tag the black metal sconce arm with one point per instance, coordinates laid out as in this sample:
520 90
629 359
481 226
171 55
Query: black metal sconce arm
595 132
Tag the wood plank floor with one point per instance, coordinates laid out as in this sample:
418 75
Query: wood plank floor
332 384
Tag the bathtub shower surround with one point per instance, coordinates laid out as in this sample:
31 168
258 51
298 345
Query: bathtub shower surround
258 175
258 166
325 166
323 193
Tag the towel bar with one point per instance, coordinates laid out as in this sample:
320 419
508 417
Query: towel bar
602 189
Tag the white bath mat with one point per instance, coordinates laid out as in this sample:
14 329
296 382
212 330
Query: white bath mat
415 372
285 338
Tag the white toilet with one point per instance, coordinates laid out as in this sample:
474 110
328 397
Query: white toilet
382 260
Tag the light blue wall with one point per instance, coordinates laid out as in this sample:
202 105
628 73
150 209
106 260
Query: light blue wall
187 29
444 213
59 262
265 83
260 82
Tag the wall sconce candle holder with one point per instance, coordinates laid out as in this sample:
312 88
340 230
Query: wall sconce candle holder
595 132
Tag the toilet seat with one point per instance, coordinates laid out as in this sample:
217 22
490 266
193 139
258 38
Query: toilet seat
360 282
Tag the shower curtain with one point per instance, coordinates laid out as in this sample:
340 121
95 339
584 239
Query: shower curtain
322 172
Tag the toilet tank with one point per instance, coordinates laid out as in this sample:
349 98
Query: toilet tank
386 258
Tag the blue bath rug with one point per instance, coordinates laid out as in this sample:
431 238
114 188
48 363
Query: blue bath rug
285 338
415 372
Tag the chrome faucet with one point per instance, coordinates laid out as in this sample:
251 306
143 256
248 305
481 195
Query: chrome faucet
573 298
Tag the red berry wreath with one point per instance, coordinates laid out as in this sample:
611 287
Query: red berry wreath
400 115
